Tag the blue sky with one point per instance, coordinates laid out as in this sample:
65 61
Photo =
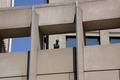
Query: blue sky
23 44
27 2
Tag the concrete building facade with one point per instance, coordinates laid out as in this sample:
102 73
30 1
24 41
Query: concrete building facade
99 62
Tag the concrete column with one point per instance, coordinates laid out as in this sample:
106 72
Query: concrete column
104 37
35 46
80 43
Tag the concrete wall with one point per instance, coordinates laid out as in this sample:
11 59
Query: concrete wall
13 64
103 57
51 65
102 62
5 3
102 75
56 61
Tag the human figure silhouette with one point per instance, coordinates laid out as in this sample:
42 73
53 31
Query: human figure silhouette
56 45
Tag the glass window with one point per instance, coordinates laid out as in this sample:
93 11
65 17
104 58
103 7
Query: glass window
114 40
92 41
71 41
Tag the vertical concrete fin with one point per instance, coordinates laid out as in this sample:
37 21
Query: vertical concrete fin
35 46
80 43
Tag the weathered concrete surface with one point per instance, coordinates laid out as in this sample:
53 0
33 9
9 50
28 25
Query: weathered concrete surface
105 14
100 10
14 78
56 14
82 1
35 46
80 43
15 22
61 16
102 75
54 77
55 61
13 64
102 57
15 18
5 3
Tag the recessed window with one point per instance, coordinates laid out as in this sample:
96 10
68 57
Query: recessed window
114 40
92 41
71 41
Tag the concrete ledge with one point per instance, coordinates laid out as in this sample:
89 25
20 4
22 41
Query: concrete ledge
56 61
54 77
13 64
14 78
56 15
15 18
102 57
102 75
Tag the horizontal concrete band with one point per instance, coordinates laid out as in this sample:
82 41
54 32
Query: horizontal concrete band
51 15
66 76
59 61
102 57
102 75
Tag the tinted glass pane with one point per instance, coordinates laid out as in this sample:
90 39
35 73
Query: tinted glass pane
114 40
92 41
71 41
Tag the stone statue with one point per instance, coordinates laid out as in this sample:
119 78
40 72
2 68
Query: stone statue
56 45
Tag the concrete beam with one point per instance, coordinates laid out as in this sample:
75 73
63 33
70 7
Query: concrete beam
15 22
58 29
14 78
15 18
102 75
53 15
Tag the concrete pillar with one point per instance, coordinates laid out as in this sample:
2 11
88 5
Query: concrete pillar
104 37
80 43
35 46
